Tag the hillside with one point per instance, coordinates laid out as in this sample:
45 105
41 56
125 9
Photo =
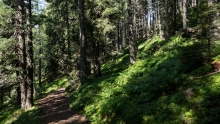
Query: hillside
166 85
110 62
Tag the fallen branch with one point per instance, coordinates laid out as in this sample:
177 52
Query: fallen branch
208 74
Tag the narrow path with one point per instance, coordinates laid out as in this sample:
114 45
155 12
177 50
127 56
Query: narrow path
55 110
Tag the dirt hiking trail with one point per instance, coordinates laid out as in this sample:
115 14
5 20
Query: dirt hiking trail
54 109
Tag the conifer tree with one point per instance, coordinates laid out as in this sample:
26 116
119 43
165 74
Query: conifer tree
22 52
82 41
132 45
30 59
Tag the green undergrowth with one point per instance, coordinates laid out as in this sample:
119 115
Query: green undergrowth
49 87
152 91
10 113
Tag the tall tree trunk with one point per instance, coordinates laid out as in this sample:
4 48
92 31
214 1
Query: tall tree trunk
146 18
97 61
82 42
135 28
132 44
30 59
124 33
18 91
159 20
39 72
154 17
184 15
1 96
119 36
40 63
68 37
22 53
165 33
174 15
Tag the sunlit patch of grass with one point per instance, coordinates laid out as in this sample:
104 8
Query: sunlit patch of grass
11 114
53 86
8 113
30 116
151 90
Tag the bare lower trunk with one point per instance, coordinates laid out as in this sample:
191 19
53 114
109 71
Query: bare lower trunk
30 60
82 42
18 90
68 37
164 21
1 96
22 54
39 74
154 17
184 15
132 45
97 61
174 15
159 20
146 19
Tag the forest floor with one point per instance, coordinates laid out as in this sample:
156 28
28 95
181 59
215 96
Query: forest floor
54 109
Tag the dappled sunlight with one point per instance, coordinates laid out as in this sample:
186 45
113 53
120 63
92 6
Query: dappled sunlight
29 116
55 109
53 86
150 91
132 91
9 113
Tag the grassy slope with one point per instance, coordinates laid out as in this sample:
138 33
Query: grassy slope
152 90
11 114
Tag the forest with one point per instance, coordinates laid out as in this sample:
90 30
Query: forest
109 61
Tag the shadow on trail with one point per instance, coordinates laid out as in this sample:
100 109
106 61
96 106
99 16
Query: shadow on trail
54 108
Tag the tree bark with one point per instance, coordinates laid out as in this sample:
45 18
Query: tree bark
39 67
174 15
30 59
184 15
22 53
1 96
97 61
165 33
118 35
68 36
146 18
159 20
135 28
18 90
82 42
154 17
132 44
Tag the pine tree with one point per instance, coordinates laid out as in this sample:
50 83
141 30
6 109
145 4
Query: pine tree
30 59
82 42
22 52
132 45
